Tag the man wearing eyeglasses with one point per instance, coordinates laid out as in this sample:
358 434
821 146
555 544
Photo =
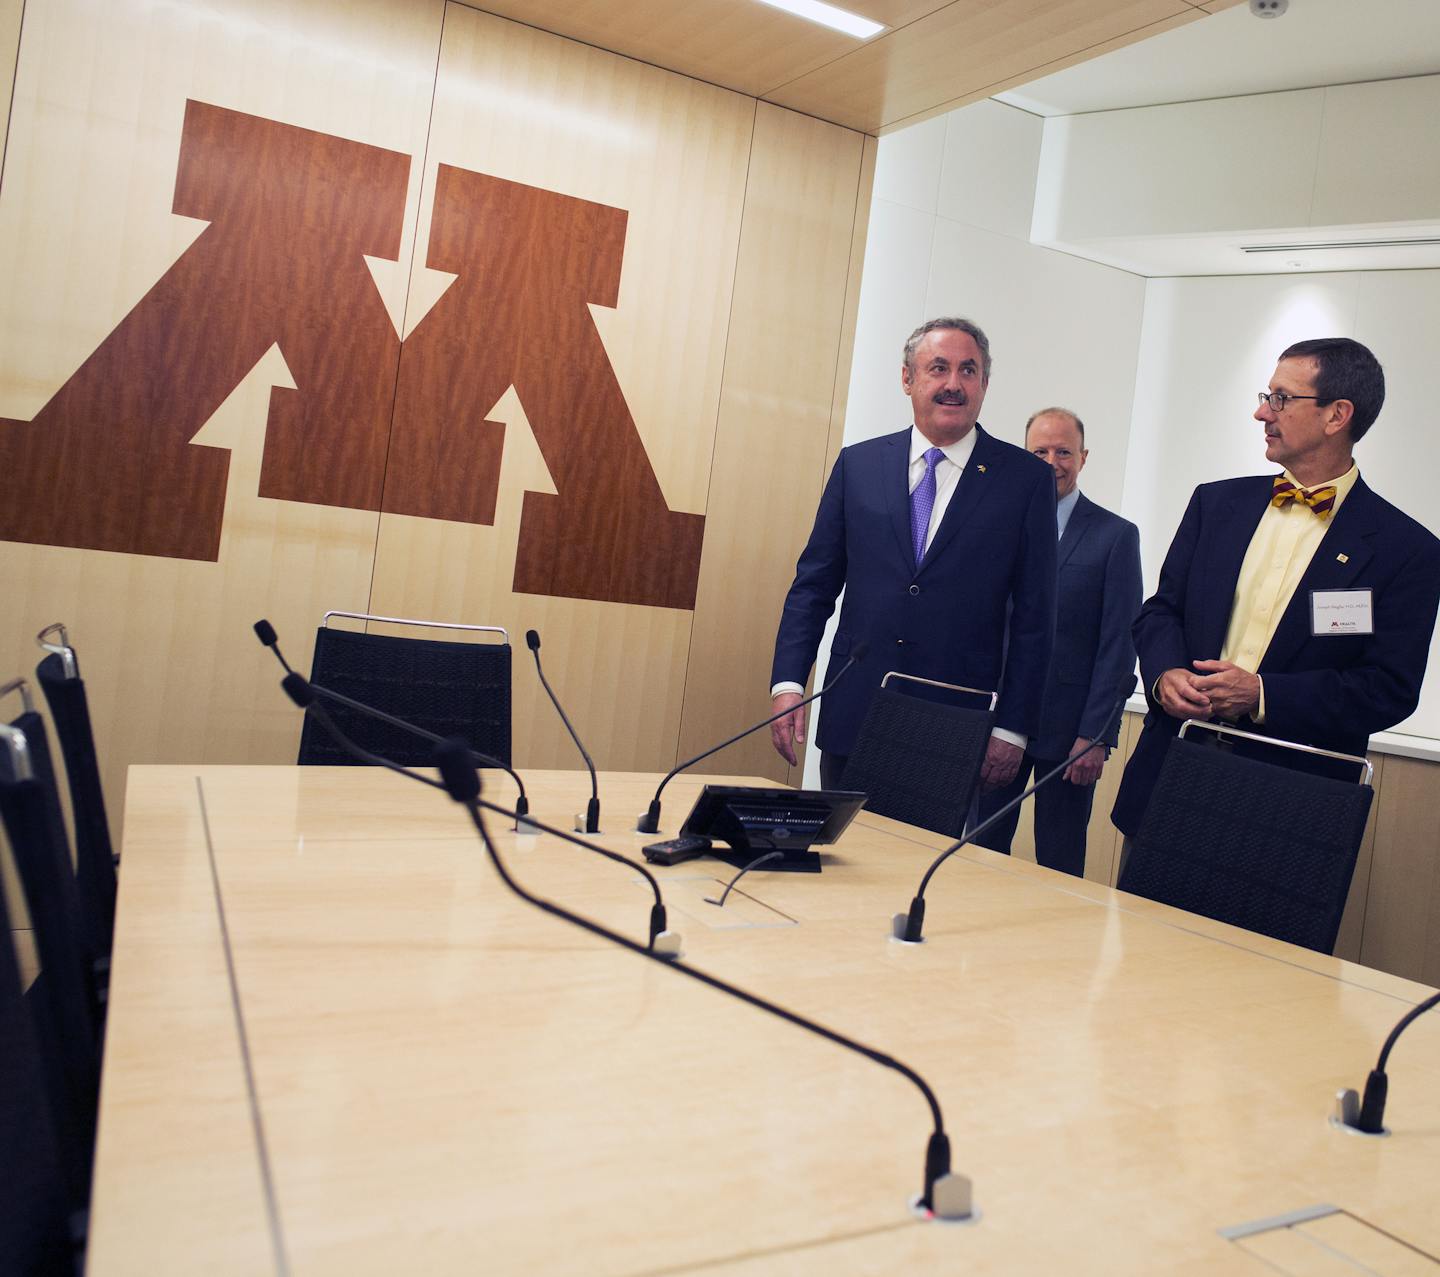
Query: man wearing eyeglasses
1098 595
1297 605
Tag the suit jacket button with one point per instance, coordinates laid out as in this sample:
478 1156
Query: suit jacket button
914 589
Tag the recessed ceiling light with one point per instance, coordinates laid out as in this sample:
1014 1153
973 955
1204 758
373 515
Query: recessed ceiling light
1415 241
828 15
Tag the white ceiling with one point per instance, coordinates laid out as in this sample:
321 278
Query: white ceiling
1231 54
1317 42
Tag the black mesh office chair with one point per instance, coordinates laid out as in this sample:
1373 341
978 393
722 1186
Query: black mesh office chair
450 688
917 759
59 677
1251 842
35 1202
62 1000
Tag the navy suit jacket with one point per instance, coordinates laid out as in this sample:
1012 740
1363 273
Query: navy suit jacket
1331 691
993 554
1094 662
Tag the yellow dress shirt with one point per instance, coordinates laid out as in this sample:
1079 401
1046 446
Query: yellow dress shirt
1285 541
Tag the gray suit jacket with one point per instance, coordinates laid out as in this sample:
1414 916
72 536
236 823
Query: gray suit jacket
1094 661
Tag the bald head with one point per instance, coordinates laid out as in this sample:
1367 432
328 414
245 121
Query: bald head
1057 437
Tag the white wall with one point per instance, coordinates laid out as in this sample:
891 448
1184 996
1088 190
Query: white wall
1178 189
950 234
1164 371
1209 345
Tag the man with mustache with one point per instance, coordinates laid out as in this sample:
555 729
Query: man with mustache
1297 605
943 539
1094 660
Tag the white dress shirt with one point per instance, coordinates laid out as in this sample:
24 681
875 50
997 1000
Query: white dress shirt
947 473
1064 508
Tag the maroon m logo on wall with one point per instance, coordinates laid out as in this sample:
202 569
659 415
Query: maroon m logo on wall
107 464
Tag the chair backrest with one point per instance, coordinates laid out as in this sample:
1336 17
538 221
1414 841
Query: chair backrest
1250 842
450 688
918 759
62 998
35 1201
59 677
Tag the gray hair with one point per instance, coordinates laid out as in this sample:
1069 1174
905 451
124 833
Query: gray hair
1058 412
950 323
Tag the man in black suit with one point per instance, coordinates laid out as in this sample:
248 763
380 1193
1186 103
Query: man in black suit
935 533
1094 660
1297 605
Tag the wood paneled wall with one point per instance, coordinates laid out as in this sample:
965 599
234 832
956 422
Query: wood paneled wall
627 299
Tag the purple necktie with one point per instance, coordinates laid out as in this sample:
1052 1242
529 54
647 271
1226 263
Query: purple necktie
922 502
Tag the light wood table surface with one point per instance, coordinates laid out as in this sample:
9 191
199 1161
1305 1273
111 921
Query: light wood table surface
338 1045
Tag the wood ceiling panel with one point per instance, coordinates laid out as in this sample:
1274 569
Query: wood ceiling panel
739 44
960 50
936 55
1033 73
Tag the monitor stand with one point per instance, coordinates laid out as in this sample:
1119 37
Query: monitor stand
799 862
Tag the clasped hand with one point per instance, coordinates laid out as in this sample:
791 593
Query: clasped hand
1220 689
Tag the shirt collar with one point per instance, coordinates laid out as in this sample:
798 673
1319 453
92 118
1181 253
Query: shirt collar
1342 485
1065 507
956 453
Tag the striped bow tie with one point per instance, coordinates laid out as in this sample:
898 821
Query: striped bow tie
1320 500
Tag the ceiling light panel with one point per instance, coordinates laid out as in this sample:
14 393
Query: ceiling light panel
828 15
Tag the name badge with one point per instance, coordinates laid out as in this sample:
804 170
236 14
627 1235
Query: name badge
1341 612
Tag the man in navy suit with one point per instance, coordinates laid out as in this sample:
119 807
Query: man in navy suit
935 534
1298 605
1094 660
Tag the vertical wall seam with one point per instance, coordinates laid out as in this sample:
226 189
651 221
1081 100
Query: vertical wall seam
1315 165
10 106
854 277
405 309
719 408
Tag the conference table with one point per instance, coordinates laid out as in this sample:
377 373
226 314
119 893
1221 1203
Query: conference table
338 1044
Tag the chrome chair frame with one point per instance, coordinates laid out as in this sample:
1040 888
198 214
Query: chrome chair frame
1225 729
403 620
949 687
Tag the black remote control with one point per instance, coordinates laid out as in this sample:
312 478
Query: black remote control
676 851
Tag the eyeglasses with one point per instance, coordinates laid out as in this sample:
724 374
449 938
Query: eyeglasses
1277 399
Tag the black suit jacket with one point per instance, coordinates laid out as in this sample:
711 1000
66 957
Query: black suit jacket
1325 690
993 555
1099 594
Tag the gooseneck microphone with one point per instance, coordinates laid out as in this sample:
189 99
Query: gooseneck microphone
909 926
265 632
649 823
1370 1117
663 943
944 1195
730 886
592 810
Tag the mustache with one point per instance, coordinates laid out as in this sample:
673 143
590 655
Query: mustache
953 398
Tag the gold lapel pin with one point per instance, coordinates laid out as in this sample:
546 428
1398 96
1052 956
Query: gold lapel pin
981 469
1342 558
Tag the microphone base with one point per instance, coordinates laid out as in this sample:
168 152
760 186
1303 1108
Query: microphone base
668 945
1347 1115
898 925
590 822
952 1202
523 826
644 825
